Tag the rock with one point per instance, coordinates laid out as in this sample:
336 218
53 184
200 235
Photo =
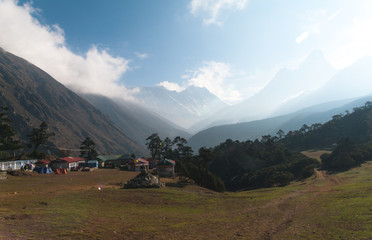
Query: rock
3 175
144 180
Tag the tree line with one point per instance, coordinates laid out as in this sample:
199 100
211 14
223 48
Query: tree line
348 135
355 125
276 160
10 144
195 167
259 163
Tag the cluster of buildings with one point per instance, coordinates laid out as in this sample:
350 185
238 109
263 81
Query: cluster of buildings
164 168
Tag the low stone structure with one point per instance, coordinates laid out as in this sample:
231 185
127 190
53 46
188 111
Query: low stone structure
19 173
3 175
144 180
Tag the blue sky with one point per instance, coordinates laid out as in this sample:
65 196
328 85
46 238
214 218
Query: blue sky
231 47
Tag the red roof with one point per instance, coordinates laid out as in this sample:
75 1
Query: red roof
152 160
139 161
42 162
71 159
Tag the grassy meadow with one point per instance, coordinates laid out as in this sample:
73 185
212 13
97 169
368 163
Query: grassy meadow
71 206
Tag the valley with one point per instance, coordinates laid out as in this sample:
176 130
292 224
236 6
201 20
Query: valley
192 119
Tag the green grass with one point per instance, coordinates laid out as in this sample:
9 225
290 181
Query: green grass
71 206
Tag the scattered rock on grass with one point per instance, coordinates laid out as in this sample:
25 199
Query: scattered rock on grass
144 180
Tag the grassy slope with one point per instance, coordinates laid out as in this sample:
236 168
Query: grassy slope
315 153
323 207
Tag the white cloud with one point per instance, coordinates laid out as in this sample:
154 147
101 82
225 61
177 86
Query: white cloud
213 9
141 56
97 72
171 86
217 77
302 37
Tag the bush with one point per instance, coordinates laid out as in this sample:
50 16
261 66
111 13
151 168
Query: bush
282 178
4 155
345 156
201 177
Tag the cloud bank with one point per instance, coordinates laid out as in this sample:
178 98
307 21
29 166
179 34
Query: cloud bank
96 72
212 9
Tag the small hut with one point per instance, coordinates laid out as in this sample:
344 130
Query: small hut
112 161
15 165
138 164
67 163
165 168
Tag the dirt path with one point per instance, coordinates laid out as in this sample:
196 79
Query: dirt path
322 183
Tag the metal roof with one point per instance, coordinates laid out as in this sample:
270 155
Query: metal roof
165 162
71 159
108 157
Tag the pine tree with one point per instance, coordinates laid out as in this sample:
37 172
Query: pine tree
154 144
88 149
7 134
38 137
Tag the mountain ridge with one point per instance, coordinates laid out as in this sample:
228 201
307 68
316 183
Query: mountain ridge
136 121
269 126
183 108
310 75
34 96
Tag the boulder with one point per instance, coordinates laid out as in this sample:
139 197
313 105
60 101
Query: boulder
144 180
3 175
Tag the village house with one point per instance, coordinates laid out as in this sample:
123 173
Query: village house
112 161
138 164
67 163
91 164
165 168
15 165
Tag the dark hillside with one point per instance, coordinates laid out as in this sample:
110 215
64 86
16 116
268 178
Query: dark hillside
138 123
320 113
34 96
265 163
356 125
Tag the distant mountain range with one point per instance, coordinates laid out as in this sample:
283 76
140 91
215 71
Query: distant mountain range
182 108
312 93
270 126
34 96
286 86
351 82
138 122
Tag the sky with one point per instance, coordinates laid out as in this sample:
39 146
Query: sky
231 47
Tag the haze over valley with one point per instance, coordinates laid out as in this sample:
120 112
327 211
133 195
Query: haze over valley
314 71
